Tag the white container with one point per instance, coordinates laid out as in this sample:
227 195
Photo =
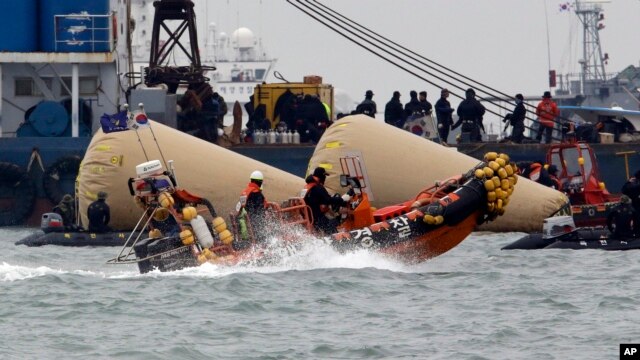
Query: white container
201 230
153 167
285 137
272 137
296 137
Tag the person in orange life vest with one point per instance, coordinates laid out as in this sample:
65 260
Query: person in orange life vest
547 111
319 200
253 202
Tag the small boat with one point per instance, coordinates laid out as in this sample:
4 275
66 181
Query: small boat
560 232
434 221
578 174
52 232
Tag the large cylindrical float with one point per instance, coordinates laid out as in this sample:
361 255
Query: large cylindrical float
399 164
202 168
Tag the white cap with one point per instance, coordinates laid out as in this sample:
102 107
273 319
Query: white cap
257 175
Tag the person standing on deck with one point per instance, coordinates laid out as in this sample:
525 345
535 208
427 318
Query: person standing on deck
444 113
517 120
547 111
425 106
367 106
470 113
393 111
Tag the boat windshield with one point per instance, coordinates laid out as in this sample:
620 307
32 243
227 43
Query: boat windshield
570 157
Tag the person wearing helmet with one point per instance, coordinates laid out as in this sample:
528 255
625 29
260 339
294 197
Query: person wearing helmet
319 200
67 210
252 206
99 214
622 219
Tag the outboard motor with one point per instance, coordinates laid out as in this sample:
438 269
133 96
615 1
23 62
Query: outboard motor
558 227
51 222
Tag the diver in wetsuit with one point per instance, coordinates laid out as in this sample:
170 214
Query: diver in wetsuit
622 221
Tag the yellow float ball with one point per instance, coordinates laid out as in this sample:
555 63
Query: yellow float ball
601 185
219 225
490 156
202 259
504 157
509 169
499 204
501 162
504 184
496 181
494 165
491 196
439 219
502 173
155 234
186 237
189 213
581 161
488 172
429 219
226 237
479 173
166 200
489 185
515 179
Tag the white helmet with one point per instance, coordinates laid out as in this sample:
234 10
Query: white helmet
257 175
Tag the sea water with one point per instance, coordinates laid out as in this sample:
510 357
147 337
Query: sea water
474 302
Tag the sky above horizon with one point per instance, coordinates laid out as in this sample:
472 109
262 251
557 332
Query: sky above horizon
501 43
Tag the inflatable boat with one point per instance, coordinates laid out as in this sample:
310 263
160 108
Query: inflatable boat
52 232
182 233
560 233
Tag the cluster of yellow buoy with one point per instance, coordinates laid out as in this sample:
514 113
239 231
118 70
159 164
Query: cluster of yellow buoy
189 213
500 177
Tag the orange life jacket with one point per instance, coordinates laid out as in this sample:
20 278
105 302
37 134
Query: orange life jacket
547 111
251 188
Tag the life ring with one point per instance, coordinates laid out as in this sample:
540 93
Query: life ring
59 178
17 194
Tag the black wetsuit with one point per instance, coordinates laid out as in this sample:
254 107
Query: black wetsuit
99 216
316 198
620 221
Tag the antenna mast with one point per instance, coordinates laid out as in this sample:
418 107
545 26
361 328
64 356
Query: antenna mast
590 14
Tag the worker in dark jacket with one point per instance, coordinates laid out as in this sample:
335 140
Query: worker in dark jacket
99 214
425 106
67 210
444 114
631 188
470 113
412 108
319 200
516 119
252 205
393 111
622 220
367 106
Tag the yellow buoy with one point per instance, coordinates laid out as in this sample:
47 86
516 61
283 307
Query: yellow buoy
489 185
439 219
601 185
509 169
490 156
501 162
504 156
479 173
505 185
189 213
226 237
496 181
202 259
581 161
155 234
429 219
491 196
219 225
488 172
187 237
502 173
499 204
494 165
166 200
